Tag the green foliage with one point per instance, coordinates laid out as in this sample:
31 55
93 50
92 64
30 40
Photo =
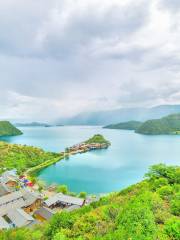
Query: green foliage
175 204
98 138
165 192
170 173
172 228
63 189
23 157
148 210
131 125
165 125
82 195
7 129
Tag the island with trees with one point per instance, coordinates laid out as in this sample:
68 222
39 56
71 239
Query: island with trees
93 143
8 129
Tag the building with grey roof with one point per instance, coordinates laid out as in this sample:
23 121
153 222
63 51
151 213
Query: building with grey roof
65 200
18 199
4 189
19 218
4 224
44 213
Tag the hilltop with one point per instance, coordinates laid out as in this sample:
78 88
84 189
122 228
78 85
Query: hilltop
97 138
149 210
165 125
7 129
130 125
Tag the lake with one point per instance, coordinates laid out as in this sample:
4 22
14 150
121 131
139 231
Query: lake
125 162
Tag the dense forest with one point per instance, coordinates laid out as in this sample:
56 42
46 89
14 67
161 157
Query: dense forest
165 125
7 129
149 210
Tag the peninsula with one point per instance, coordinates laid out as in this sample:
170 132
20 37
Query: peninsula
7 129
96 142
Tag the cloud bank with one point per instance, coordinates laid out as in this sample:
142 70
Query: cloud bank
59 58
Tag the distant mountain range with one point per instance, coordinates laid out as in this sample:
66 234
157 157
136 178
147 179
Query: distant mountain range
32 124
120 115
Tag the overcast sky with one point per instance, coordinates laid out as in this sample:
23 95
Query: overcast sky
62 57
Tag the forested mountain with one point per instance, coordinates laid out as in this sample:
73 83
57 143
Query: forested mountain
165 125
7 129
130 125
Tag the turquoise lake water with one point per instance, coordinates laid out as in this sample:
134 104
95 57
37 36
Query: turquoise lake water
125 162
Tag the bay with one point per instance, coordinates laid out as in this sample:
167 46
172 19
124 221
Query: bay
124 163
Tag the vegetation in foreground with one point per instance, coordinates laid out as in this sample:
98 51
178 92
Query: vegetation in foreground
130 125
23 157
7 129
149 210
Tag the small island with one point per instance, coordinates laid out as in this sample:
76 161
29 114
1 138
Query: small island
7 129
130 125
96 142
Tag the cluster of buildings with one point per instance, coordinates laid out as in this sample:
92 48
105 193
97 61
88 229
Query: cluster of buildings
84 147
21 206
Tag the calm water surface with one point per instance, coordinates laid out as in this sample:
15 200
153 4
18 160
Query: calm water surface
101 171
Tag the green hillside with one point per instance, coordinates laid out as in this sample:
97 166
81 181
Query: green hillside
165 125
149 210
130 125
7 129
22 157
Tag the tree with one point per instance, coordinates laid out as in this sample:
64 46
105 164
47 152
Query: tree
63 189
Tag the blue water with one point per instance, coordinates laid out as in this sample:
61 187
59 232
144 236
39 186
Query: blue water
125 162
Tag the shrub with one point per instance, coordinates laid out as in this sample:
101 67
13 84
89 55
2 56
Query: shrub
165 192
63 189
172 228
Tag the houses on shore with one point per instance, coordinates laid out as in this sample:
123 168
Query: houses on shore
21 206
85 147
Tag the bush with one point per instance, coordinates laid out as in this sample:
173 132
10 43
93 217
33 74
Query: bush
172 228
83 195
175 205
165 192
63 189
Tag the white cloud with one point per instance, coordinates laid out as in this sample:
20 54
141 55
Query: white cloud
59 58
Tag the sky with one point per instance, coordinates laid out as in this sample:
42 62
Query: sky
62 57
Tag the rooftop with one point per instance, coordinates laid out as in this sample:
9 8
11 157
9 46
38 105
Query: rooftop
61 198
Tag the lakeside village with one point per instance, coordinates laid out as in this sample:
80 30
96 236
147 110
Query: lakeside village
22 204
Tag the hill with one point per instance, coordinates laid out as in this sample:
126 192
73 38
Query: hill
97 138
130 125
149 210
165 125
22 157
120 115
7 129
